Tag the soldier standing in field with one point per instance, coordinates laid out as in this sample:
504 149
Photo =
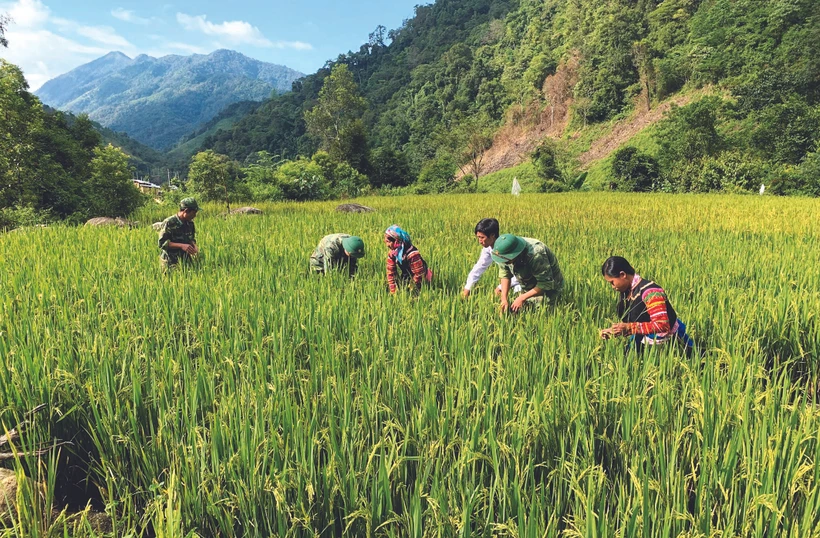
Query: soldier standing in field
177 236
337 251
535 267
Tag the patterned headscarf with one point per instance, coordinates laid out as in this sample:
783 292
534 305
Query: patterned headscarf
403 237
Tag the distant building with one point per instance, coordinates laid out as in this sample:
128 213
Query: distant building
146 186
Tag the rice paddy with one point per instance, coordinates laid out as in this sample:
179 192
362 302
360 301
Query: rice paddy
246 397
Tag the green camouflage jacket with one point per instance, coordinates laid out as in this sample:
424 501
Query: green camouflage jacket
330 254
175 230
536 267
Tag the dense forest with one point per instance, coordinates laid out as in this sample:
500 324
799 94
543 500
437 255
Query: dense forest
417 108
435 88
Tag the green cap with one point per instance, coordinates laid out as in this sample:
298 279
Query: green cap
354 246
507 248
189 203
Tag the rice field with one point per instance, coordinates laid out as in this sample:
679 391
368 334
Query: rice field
245 397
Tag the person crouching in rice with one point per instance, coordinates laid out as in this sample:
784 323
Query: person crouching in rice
534 265
647 316
404 262
337 251
177 236
486 232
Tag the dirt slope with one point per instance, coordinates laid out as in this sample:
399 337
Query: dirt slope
525 128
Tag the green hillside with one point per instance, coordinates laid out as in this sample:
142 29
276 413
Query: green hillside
459 66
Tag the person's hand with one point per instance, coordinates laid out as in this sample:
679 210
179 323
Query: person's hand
606 334
505 306
498 290
194 250
518 304
190 250
617 329
465 293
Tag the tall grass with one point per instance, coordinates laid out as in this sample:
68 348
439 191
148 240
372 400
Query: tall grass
244 397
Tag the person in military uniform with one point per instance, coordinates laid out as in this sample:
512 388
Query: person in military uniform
177 236
337 251
535 267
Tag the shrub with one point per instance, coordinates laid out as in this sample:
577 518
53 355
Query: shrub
634 170
437 176
545 160
18 216
302 180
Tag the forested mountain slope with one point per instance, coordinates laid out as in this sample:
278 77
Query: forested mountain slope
159 100
462 66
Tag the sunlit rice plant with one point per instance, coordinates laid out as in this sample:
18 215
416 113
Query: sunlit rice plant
246 397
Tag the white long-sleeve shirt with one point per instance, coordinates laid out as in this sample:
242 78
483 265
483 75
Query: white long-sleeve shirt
485 260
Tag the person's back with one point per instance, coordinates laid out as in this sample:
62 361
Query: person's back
404 262
537 267
336 251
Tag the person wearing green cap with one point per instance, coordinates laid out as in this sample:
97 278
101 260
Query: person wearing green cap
535 267
337 251
177 235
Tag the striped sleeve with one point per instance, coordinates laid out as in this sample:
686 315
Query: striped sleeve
391 273
417 268
655 300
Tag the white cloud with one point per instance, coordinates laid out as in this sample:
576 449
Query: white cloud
128 15
193 49
235 32
43 54
105 35
297 45
27 13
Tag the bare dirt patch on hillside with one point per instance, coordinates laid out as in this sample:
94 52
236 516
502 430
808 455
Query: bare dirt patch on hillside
549 117
526 127
626 129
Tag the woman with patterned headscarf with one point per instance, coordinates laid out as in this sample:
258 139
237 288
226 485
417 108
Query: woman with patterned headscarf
404 263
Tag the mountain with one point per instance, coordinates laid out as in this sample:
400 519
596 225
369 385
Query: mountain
159 100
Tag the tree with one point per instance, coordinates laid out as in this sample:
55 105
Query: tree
476 141
389 168
437 176
546 163
111 193
302 180
4 21
333 119
634 170
213 176
690 132
21 119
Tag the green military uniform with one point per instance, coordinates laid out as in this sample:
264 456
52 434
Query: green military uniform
536 266
330 254
175 230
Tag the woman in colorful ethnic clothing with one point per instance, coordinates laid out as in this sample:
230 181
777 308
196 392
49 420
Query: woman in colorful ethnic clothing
647 316
337 251
404 263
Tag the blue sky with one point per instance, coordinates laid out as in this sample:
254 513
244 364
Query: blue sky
50 37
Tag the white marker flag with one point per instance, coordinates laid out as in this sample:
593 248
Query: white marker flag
516 188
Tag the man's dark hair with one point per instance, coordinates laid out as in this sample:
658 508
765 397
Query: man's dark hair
488 227
615 265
